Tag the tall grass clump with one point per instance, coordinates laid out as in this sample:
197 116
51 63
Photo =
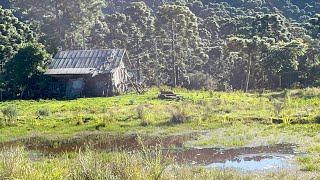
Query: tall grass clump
104 109
180 114
44 112
132 102
145 164
12 163
317 119
278 106
140 112
109 116
146 120
90 165
10 113
287 96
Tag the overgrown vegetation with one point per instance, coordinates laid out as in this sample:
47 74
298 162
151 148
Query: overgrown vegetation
224 119
225 44
199 110
10 114
89 164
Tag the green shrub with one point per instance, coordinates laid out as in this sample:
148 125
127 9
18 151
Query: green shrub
10 113
180 115
201 80
132 102
109 117
140 112
278 107
12 162
44 112
317 119
100 125
287 96
147 120
104 109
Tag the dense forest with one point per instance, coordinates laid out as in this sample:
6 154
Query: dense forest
211 44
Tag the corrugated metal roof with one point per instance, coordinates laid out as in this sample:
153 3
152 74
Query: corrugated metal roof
85 61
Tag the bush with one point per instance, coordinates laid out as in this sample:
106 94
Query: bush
12 162
100 125
278 107
109 117
44 112
10 113
132 102
180 115
104 109
317 119
147 120
201 80
140 112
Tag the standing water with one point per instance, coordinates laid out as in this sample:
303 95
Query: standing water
263 158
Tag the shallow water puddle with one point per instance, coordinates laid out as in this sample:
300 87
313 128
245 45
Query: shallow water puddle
257 162
261 158
109 143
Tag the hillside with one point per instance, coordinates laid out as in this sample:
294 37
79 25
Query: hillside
221 45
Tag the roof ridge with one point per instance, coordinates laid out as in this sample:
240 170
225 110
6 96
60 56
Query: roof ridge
93 50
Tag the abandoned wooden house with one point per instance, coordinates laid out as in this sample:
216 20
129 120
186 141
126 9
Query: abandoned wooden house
88 73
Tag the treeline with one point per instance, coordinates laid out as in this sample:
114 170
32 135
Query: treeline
213 44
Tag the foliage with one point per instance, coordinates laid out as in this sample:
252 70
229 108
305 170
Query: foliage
141 112
180 115
10 113
200 80
44 112
13 32
24 72
62 22
89 164
240 45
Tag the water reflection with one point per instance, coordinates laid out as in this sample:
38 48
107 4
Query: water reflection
248 158
256 162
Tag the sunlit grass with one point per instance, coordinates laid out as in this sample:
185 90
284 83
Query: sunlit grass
203 110
16 163
225 119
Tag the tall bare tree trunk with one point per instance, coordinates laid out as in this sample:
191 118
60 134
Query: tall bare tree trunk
280 81
173 56
248 73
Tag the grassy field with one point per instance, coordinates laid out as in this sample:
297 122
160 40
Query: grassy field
221 119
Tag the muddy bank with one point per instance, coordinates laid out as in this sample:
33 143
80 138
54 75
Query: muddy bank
101 142
260 158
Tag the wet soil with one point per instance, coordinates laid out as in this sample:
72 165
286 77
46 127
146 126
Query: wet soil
245 158
105 143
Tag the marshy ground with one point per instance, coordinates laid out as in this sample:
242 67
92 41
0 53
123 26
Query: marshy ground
207 135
